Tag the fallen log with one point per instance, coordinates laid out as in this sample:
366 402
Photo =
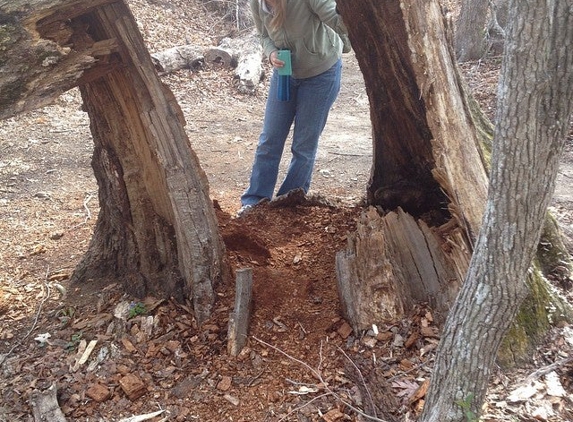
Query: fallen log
177 58
249 71
242 54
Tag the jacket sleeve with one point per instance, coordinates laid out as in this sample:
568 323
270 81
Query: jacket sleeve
326 12
266 43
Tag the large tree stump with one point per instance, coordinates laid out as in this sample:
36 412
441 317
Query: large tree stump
429 161
157 230
390 264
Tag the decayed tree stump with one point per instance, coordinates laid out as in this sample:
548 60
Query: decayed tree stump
390 264
427 156
429 179
156 231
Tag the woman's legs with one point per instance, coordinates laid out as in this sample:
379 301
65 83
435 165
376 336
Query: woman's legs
314 98
279 116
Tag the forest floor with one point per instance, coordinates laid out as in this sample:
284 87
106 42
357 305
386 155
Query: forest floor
302 362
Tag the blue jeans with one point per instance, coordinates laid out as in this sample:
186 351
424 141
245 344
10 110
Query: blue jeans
308 107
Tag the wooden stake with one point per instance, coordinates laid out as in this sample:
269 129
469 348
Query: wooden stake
239 318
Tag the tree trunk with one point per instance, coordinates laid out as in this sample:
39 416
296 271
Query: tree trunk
428 163
470 36
480 29
538 85
427 158
157 230
496 26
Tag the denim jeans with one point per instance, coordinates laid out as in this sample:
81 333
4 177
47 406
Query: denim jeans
308 107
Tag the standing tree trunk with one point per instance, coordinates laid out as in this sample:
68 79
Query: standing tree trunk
533 119
480 28
470 35
157 230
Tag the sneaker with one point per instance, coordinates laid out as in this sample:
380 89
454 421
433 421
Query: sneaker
243 210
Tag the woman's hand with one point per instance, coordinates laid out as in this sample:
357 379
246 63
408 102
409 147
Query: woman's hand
275 61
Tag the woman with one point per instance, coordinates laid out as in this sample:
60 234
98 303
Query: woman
312 31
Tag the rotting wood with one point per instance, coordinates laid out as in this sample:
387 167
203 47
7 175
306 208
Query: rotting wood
220 56
239 318
45 407
249 55
366 277
177 58
390 264
243 54
157 229
428 157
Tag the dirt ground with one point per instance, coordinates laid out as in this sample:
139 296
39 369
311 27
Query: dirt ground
301 363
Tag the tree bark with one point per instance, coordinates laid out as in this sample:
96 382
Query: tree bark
470 35
533 119
157 230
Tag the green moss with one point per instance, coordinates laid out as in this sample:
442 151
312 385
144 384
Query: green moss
540 310
531 323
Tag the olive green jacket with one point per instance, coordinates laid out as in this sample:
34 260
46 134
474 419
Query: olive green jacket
311 32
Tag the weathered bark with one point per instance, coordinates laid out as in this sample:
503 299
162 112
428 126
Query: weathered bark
533 119
157 230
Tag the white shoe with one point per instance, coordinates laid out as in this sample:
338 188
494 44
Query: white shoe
243 210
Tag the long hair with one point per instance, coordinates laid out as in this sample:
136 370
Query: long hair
279 13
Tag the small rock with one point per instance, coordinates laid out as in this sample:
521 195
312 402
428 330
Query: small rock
98 393
344 330
231 399
56 235
132 386
225 383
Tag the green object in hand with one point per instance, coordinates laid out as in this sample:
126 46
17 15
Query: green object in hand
284 55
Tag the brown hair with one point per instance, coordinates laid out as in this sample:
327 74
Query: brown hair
279 12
